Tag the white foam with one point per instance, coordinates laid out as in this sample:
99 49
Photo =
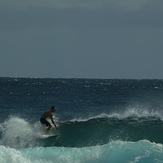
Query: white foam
8 155
17 133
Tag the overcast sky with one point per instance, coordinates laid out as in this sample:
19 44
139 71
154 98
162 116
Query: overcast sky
81 38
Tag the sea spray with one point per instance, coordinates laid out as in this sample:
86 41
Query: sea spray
17 133
131 112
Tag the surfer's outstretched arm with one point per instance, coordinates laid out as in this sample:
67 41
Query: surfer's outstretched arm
53 123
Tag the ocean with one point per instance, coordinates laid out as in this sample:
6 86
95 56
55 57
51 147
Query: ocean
99 120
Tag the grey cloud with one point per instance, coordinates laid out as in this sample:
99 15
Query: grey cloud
43 14
110 38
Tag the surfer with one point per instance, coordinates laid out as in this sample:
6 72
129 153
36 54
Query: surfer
48 114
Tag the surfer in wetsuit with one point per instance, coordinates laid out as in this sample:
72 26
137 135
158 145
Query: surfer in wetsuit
48 114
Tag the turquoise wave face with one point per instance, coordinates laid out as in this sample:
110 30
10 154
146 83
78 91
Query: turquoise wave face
116 151
19 133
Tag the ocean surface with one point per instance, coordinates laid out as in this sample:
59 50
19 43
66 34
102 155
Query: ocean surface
100 121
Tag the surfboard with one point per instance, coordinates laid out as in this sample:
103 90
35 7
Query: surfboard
48 136
52 136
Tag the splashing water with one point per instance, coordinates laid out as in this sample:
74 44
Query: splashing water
17 132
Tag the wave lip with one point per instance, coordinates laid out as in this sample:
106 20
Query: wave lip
131 113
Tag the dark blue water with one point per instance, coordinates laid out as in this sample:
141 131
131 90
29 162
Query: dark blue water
104 117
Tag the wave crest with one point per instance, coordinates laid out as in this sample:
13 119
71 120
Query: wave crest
130 113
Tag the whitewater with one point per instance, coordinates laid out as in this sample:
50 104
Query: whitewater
117 121
116 151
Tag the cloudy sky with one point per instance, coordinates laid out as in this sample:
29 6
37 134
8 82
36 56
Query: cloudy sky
81 38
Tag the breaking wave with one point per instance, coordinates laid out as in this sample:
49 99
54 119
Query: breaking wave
115 151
